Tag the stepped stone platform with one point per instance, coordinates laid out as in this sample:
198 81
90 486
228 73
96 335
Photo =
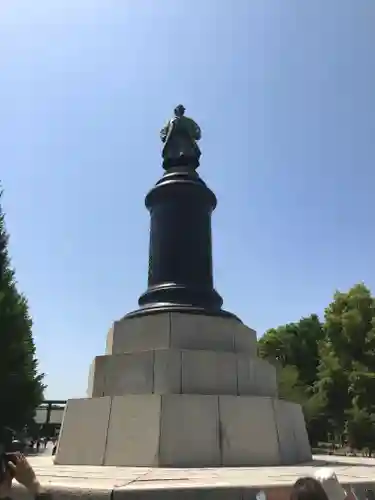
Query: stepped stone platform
182 390
268 483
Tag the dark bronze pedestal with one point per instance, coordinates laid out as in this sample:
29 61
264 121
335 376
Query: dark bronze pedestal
180 274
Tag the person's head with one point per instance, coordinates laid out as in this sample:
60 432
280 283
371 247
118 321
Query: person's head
308 488
179 110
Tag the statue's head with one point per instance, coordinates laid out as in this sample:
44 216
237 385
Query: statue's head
179 111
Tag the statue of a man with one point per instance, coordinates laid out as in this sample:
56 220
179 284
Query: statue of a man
180 136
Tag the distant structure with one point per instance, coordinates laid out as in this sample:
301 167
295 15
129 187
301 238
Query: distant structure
49 415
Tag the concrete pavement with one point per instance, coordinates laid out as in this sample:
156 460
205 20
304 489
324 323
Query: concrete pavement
111 483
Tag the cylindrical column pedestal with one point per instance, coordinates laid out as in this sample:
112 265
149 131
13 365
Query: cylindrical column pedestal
180 256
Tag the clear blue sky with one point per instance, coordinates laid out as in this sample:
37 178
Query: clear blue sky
284 93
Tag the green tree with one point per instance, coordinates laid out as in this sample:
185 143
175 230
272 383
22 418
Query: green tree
289 385
330 368
295 344
21 386
294 350
360 430
347 359
318 426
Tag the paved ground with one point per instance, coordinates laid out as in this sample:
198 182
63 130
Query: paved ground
350 470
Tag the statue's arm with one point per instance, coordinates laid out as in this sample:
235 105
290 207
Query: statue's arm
164 133
198 132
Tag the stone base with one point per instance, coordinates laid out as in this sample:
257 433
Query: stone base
176 371
182 430
181 331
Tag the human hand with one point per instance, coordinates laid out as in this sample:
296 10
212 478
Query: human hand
24 473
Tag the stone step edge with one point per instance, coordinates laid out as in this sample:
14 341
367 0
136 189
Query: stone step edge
164 487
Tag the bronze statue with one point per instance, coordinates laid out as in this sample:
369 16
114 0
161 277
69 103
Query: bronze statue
180 136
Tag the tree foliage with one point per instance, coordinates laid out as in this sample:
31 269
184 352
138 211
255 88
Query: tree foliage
21 386
295 344
333 363
290 386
